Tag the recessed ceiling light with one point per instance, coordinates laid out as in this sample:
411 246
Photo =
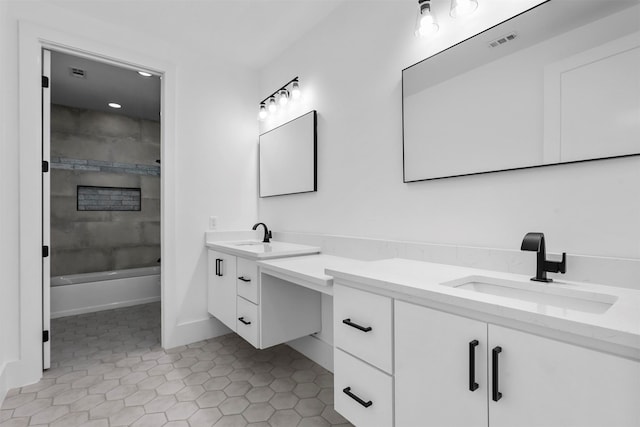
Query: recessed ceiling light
114 105
144 74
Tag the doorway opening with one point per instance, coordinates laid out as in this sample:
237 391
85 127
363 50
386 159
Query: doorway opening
101 192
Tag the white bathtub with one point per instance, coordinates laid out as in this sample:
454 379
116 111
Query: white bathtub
89 292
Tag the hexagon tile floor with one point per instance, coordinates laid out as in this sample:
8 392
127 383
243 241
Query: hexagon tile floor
108 370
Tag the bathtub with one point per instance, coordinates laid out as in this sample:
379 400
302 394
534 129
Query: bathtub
89 292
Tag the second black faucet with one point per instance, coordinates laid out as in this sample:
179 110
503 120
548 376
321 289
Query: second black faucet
535 242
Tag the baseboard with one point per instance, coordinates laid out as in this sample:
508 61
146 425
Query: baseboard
102 307
315 349
4 388
194 331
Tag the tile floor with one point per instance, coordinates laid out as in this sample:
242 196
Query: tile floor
108 369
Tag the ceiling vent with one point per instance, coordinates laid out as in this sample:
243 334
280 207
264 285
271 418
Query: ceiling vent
77 72
504 39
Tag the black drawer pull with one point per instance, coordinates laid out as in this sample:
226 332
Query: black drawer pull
243 321
218 267
347 391
354 325
496 395
244 279
473 385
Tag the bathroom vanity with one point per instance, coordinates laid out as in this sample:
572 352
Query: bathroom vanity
418 343
264 311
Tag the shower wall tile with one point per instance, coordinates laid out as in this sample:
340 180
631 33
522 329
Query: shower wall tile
100 149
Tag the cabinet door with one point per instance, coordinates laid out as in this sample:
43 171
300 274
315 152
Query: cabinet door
222 287
549 383
433 368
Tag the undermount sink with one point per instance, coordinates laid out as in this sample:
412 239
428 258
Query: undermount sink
248 243
549 294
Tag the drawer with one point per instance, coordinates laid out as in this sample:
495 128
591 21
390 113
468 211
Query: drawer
247 282
248 322
363 310
365 383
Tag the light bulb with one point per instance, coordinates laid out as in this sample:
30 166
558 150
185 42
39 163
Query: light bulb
284 97
144 74
295 90
463 7
272 105
426 24
263 112
114 105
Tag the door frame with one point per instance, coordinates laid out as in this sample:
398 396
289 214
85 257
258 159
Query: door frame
33 39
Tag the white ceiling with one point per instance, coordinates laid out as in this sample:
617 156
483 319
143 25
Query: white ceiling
104 83
248 32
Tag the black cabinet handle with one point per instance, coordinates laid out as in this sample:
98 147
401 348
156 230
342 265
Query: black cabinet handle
218 267
354 325
473 385
243 321
494 360
347 391
244 279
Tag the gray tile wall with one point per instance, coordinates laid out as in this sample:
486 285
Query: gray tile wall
107 150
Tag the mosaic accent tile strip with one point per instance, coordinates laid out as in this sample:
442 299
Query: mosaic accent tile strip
103 166
108 199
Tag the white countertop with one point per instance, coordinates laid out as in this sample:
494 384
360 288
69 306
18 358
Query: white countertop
258 250
411 280
307 270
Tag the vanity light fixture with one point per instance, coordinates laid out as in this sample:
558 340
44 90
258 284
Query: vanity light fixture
461 8
114 105
283 95
295 89
263 112
272 105
426 24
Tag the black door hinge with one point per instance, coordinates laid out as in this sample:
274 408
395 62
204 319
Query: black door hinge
45 81
45 251
45 166
45 336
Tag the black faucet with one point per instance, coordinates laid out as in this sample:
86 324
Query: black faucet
267 233
535 242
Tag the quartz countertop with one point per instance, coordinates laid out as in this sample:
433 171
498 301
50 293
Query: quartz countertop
255 250
307 270
421 282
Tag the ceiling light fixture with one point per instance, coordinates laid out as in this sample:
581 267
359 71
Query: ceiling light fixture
461 8
283 96
114 105
144 74
426 24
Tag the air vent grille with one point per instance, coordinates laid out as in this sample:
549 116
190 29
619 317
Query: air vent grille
77 72
504 39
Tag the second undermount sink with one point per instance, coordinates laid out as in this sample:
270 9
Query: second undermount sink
251 243
549 295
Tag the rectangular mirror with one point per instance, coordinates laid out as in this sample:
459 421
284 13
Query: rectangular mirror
559 83
288 157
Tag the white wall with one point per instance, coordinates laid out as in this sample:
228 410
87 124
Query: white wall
210 168
350 71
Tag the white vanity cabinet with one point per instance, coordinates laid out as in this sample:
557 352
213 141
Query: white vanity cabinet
522 379
221 295
363 355
265 311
